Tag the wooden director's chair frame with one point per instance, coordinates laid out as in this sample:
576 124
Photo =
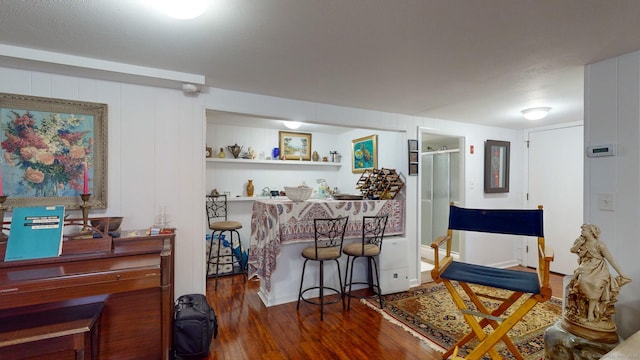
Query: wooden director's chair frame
534 285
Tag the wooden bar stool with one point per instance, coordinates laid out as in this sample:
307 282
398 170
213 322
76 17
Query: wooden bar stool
329 236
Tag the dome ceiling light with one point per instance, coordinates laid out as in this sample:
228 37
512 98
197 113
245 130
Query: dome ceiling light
180 9
536 113
292 124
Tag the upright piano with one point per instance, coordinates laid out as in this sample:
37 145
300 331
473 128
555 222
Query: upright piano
134 277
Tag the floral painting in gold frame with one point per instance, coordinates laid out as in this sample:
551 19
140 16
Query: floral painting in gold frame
53 150
364 153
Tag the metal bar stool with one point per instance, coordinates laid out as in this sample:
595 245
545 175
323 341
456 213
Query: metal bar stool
328 239
223 259
369 247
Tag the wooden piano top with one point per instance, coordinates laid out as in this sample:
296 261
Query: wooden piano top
133 263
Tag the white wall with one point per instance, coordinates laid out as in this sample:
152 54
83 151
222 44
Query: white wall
156 156
612 116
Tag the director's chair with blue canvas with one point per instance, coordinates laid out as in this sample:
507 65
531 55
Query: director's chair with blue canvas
533 285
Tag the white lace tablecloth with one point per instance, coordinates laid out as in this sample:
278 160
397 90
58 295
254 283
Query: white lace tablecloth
275 222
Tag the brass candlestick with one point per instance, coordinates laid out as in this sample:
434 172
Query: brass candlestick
85 210
3 198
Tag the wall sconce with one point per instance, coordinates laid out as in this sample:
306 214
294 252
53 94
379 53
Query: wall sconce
535 113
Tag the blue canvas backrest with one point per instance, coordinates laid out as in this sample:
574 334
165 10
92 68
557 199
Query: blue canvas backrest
499 221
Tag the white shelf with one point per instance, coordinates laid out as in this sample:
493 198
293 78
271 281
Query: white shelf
274 162
246 198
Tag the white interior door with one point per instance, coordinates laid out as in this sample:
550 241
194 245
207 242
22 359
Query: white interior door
556 161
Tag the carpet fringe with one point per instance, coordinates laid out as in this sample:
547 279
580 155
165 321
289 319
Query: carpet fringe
408 329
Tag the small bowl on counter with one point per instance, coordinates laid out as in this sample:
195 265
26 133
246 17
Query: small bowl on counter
298 193
114 225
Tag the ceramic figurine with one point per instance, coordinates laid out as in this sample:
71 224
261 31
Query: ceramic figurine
593 290
221 153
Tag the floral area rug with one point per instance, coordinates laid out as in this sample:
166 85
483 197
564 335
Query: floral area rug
428 312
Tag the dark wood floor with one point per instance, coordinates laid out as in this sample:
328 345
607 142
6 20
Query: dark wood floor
249 330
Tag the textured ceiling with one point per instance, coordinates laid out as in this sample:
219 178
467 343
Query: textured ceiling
479 61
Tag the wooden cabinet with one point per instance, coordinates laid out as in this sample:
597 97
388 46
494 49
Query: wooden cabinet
135 278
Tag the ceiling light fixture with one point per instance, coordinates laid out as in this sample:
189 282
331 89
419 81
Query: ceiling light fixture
292 124
180 9
535 113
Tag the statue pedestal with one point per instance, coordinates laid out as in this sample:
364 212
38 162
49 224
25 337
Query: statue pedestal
559 344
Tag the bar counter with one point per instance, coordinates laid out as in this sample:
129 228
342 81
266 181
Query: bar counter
280 229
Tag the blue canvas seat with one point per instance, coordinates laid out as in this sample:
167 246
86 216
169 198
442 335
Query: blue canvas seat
533 285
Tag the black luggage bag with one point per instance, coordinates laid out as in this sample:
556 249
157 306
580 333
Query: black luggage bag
194 325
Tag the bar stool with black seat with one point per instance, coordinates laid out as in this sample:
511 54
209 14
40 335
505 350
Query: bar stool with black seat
223 259
369 247
328 239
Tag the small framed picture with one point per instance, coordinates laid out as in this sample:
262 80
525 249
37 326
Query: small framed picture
295 146
496 166
413 169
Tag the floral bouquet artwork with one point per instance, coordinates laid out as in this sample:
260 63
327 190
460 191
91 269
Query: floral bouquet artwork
45 153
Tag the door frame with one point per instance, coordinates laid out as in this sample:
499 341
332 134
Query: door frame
462 141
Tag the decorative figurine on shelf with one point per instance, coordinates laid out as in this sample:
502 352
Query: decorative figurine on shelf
208 152
315 156
593 291
252 153
221 154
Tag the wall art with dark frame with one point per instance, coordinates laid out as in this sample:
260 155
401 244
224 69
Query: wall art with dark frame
48 145
414 155
496 166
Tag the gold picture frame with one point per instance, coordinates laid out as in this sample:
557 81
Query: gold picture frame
295 146
364 153
52 150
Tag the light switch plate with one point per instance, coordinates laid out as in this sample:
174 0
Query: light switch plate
606 202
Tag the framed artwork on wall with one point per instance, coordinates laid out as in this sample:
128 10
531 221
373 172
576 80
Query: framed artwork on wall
413 157
364 153
53 150
295 146
496 166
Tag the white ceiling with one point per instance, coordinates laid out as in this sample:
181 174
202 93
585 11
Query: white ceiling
479 61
